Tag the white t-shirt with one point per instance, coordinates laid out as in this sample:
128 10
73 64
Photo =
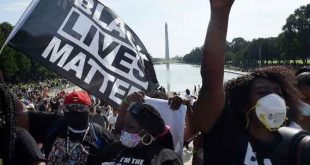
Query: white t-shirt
112 120
174 118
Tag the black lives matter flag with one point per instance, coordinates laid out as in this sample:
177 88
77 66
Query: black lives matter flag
87 43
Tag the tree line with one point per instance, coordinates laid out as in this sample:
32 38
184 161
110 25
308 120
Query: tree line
291 47
17 67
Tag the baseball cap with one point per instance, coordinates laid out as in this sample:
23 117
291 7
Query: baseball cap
77 97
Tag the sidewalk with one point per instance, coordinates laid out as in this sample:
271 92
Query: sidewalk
236 72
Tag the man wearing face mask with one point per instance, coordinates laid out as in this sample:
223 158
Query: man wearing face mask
71 139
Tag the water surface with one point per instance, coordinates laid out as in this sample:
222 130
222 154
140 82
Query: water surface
178 77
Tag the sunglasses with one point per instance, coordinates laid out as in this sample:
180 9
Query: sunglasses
76 108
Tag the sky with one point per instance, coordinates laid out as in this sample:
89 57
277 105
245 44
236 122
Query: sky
187 20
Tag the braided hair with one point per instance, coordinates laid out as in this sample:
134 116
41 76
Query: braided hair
7 123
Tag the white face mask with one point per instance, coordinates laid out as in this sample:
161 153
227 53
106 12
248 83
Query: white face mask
271 111
304 108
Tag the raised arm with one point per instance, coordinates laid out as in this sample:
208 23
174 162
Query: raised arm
211 99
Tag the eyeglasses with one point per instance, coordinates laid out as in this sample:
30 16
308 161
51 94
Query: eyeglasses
76 107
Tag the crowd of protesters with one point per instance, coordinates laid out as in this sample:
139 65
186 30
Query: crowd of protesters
260 118
46 98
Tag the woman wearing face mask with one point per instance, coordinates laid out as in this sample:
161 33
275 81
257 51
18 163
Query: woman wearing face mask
257 105
144 140
240 121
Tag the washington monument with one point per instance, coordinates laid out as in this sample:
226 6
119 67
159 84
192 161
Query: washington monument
167 56
167 42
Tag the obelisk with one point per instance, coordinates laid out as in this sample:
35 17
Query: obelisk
167 42
167 56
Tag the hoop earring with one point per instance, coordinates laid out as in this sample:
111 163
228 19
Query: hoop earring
147 143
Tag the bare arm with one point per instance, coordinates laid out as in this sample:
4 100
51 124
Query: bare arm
211 99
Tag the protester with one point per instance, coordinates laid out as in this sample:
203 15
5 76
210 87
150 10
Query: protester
100 119
70 139
256 107
17 146
54 104
144 140
303 84
112 120
106 109
173 116
245 129
189 97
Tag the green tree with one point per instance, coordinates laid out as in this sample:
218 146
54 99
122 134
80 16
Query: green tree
296 34
16 66
235 52
195 56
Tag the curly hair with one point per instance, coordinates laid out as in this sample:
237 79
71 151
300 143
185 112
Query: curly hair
238 90
7 123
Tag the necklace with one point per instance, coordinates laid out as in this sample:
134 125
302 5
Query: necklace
79 143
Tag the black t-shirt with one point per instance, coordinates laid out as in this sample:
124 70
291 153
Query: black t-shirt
26 149
116 153
226 143
61 145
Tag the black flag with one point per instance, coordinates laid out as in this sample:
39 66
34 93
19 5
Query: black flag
87 43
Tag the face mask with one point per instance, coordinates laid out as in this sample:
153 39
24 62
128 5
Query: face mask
271 111
304 108
77 120
130 140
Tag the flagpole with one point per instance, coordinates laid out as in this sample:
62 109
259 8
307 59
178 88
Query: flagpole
3 47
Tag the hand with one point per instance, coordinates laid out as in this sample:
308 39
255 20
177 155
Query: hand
175 102
137 97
